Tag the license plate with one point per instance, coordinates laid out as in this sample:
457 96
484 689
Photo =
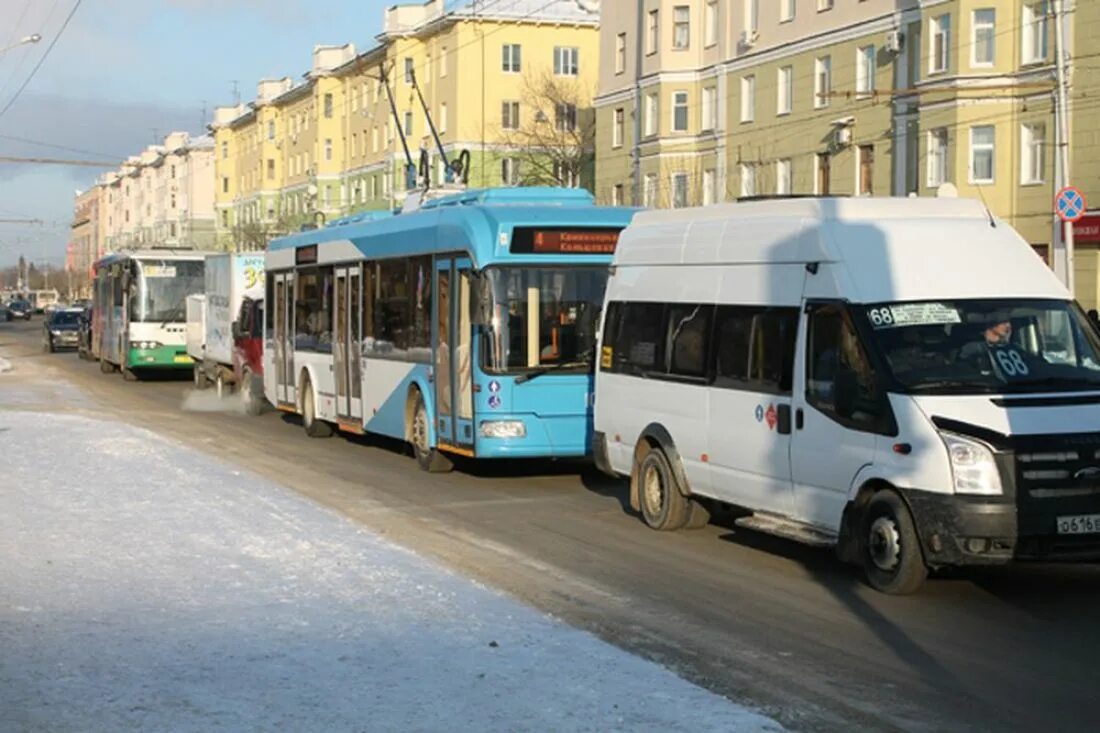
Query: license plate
1079 524
183 359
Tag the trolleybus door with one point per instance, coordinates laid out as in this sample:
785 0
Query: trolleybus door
346 352
453 339
283 313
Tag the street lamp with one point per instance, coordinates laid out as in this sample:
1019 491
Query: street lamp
25 40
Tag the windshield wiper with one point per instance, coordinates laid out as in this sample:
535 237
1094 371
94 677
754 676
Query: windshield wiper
172 314
584 361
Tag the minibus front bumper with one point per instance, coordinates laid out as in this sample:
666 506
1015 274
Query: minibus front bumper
978 530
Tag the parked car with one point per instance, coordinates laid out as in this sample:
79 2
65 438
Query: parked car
20 309
60 329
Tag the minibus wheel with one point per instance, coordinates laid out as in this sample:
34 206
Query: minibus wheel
429 459
315 428
664 507
200 377
892 554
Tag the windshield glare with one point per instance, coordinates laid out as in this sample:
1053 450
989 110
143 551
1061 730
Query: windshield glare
987 345
64 318
543 317
162 289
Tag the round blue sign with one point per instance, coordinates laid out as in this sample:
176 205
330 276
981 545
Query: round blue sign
759 413
494 386
494 401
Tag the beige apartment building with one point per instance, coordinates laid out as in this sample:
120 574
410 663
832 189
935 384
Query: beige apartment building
88 240
163 197
713 100
492 76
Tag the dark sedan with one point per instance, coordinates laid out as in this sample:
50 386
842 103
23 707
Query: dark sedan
61 330
20 309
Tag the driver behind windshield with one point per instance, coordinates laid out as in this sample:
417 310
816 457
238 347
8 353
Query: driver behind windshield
995 352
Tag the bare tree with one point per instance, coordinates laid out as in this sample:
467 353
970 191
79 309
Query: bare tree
554 138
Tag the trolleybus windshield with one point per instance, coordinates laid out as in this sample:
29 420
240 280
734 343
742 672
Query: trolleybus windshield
161 289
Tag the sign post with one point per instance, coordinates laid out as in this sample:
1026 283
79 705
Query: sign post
1070 206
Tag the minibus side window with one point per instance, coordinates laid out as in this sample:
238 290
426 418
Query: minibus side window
688 334
754 348
839 379
639 348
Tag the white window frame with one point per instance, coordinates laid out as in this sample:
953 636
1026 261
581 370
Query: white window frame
748 98
748 179
652 32
567 60
784 94
1032 153
939 29
509 171
511 58
823 5
620 53
649 190
783 177
1035 30
652 112
681 27
617 194
678 184
988 26
709 108
866 66
442 118
679 104
823 81
752 16
509 115
710 24
939 145
710 188
786 10
991 148
618 127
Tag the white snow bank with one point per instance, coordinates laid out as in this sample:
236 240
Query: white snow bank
5 365
147 587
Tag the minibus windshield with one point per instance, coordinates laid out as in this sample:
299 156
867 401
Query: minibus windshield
987 346
543 317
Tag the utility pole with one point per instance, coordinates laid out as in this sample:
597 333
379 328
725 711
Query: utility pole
1063 230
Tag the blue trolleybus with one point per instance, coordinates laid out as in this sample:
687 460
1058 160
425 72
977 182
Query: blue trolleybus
467 327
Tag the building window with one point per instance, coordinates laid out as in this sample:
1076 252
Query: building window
865 70
442 117
649 190
679 111
783 177
566 60
866 178
983 41
617 195
225 184
271 169
271 129
225 218
651 109
983 143
172 199
681 27
617 128
1032 153
786 10
710 108
940 44
748 98
679 190
823 185
620 53
823 81
511 58
409 66
824 5
710 188
328 148
328 106
752 16
937 157
225 151
443 61
710 24
784 90
509 115
1035 34
748 180
652 32
565 117
509 171
408 123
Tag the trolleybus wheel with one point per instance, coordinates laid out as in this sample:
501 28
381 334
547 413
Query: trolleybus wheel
892 554
315 428
428 458
664 507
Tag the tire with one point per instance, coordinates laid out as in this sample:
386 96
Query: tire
129 375
48 347
253 402
664 506
698 515
428 458
201 382
314 428
219 385
892 555
105 366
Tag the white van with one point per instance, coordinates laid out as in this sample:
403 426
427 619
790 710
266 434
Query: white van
901 378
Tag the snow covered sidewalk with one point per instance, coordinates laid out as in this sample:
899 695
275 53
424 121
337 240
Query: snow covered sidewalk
145 586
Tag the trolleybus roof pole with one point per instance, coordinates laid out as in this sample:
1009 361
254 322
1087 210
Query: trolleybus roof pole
410 167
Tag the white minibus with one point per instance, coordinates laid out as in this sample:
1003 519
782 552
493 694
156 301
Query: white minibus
903 379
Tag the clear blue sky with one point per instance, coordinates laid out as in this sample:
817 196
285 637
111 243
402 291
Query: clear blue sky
124 68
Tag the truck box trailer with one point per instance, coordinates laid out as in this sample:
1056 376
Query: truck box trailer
227 278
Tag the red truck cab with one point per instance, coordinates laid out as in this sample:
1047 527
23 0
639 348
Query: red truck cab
248 348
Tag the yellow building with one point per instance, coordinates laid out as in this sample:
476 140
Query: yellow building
510 83
712 100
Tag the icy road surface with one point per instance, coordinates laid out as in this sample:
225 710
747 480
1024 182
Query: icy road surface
144 586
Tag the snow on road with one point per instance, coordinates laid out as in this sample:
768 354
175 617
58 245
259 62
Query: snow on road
145 586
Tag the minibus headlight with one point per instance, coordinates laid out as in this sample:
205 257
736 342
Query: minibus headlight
973 469
503 429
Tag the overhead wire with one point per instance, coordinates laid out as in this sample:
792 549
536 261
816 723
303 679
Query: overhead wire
41 60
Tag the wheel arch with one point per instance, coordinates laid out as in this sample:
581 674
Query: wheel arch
305 373
418 387
656 435
850 536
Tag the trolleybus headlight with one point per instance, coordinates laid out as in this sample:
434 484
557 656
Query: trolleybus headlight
973 468
503 429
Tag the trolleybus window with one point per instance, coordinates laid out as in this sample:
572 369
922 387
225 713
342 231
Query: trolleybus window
313 310
398 316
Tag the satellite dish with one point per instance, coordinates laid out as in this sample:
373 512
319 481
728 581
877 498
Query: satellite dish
947 191
311 190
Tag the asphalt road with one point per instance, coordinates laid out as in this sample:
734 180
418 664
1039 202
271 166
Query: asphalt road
764 621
